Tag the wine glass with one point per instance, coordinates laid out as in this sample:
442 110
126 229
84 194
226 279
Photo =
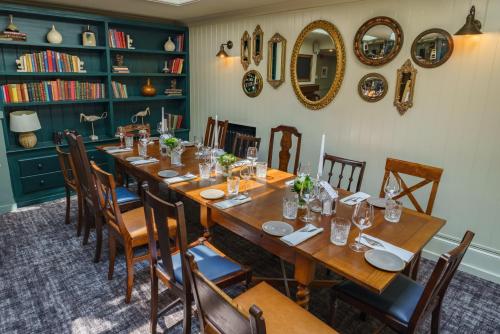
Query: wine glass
362 217
252 155
245 174
392 186
159 128
308 193
305 169
198 143
120 133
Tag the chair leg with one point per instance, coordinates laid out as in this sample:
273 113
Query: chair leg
436 318
186 323
154 300
68 206
285 279
130 273
416 264
98 239
80 214
86 226
112 255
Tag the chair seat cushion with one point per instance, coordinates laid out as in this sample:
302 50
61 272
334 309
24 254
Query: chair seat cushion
123 195
210 263
135 224
399 299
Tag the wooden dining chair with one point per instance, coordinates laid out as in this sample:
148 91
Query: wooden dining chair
285 144
71 185
260 310
429 175
169 265
222 132
242 142
405 302
343 162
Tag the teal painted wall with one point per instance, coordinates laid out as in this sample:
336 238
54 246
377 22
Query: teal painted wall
6 197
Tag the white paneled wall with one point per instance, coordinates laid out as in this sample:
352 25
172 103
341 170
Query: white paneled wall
454 124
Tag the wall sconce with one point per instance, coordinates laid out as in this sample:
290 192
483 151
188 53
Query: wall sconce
222 53
472 26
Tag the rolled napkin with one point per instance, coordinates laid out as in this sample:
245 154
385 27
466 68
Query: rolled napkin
229 203
400 252
182 178
144 161
241 163
301 235
355 198
119 150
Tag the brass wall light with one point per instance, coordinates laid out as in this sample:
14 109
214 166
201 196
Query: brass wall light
472 26
222 53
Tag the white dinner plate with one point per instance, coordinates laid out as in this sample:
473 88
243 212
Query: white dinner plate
384 260
277 228
132 159
212 194
377 202
167 173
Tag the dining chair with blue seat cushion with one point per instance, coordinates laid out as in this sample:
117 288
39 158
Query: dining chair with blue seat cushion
404 303
123 195
168 261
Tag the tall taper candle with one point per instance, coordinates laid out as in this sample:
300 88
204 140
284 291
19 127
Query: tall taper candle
321 154
162 119
216 132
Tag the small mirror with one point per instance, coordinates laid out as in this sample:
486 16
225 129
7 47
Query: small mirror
432 48
252 83
378 41
276 58
405 85
258 43
245 50
372 87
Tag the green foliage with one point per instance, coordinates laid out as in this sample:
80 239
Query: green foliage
171 142
227 159
303 183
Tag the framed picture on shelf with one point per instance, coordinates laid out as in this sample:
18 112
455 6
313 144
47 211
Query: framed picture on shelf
88 37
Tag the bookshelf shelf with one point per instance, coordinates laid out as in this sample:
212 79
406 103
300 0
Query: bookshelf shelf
145 75
50 144
153 98
52 74
146 51
31 104
5 44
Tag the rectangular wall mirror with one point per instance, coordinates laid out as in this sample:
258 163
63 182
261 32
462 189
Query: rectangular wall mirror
276 58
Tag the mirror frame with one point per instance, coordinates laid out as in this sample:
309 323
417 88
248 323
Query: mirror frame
339 71
443 60
246 63
372 99
406 68
379 20
259 88
257 57
277 38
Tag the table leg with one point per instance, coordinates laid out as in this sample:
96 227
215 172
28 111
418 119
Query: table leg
304 274
205 220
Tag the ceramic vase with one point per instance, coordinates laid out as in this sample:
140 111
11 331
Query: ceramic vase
169 45
148 89
54 36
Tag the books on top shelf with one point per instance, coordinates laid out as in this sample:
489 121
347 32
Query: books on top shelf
172 121
119 90
120 40
179 45
49 61
175 65
52 91
7 35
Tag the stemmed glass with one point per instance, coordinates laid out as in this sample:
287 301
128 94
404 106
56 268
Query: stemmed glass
252 156
362 217
120 133
305 169
245 174
308 194
159 128
392 186
198 143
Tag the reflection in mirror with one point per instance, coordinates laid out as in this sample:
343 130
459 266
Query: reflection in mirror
405 85
378 41
252 83
432 48
258 41
276 57
372 87
245 50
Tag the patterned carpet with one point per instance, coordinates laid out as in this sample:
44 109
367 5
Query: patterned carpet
49 284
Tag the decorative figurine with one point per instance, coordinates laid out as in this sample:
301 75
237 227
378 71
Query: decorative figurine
88 37
141 114
120 66
169 46
148 89
12 33
11 26
165 68
91 119
54 36
129 42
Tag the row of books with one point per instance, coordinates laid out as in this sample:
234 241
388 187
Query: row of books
49 61
13 36
172 121
49 91
179 43
175 65
173 92
121 69
119 90
118 39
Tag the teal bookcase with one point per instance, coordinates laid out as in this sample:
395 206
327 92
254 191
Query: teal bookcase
35 175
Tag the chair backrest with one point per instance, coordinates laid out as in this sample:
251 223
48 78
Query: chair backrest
67 167
427 173
286 145
135 128
441 276
242 142
221 132
343 163
217 310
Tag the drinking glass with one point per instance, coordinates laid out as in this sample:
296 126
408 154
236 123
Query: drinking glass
198 143
340 231
245 174
362 217
252 155
143 147
261 170
120 133
392 186
290 205
308 195
159 128
233 185
305 169
393 210
205 170
129 141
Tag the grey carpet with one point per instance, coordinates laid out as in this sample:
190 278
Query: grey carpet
49 284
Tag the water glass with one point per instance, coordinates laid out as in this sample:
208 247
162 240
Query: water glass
205 170
290 205
143 147
340 231
261 170
129 141
175 157
393 210
233 185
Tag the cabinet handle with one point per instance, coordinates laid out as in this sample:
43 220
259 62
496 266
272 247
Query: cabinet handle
42 182
40 166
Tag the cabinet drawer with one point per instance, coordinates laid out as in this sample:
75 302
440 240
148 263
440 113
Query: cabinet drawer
42 182
38 165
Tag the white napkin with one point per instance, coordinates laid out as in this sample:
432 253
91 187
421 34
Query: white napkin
301 235
119 150
182 178
358 197
400 252
241 163
144 161
229 203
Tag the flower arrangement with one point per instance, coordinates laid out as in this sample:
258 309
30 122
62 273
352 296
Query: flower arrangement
300 184
171 142
226 160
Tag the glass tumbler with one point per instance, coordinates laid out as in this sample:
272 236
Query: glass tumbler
143 148
129 141
205 170
340 231
393 210
233 185
261 170
290 205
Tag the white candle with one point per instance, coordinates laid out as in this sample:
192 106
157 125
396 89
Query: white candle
321 154
216 132
162 119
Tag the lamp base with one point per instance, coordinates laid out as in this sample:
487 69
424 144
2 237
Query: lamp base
27 139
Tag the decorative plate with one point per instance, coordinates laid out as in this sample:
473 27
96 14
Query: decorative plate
167 173
212 194
377 202
277 228
384 260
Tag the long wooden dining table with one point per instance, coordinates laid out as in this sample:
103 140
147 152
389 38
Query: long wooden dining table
412 233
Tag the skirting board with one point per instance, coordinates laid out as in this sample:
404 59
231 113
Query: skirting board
7 208
479 261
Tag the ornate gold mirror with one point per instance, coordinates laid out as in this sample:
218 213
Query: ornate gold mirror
245 50
372 87
258 45
405 86
276 58
252 83
432 48
317 65
378 41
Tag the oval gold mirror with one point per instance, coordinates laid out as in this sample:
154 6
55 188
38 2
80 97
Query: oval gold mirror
252 83
318 64
378 41
432 48
372 87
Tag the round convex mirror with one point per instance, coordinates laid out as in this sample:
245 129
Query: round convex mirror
372 87
252 83
432 48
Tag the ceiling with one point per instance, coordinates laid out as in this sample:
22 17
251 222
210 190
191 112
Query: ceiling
190 13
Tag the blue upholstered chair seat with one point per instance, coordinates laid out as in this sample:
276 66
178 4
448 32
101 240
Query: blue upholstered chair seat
123 195
399 299
211 264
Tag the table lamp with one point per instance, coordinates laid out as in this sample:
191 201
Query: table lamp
25 122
